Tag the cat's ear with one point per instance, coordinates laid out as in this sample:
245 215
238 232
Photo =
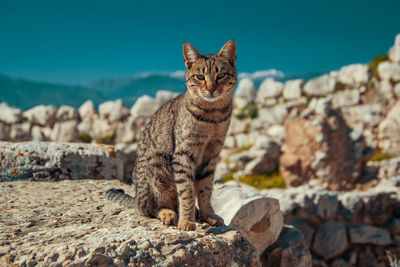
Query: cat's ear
190 54
229 52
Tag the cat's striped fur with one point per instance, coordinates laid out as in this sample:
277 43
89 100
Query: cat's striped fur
179 147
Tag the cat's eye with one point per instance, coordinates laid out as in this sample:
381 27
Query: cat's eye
200 77
221 75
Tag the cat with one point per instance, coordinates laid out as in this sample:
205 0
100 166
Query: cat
180 145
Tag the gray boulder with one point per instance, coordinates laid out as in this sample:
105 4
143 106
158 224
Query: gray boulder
330 239
368 234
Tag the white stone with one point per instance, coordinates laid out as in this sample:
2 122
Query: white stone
37 134
365 114
396 90
238 126
65 113
41 115
277 132
389 131
4 131
273 115
163 96
258 218
125 132
9 114
354 75
65 131
113 110
269 88
20 131
101 128
145 106
345 98
320 86
385 90
389 71
394 52
87 111
245 93
292 89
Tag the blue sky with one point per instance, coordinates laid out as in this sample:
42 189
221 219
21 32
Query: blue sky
80 41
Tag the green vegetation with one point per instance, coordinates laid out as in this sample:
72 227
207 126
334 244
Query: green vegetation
375 62
242 148
379 156
260 181
249 111
107 139
86 138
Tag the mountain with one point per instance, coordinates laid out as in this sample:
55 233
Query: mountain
25 94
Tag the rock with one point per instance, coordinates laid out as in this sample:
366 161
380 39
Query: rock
368 234
305 229
269 88
393 225
87 111
145 106
10 115
258 218
41 115
354 75
238 126
366 114
277 132
20 132
345 98
265 153
127 154
102 129
394 52
66 113
389 71
40 133
113 110
4 131
320 86
288 251
327 205
292 89
385 92
65 131
389 131
350 206
83 228
396 90
272 115
41 161
245 93
378 207
317 146
330 239
163 96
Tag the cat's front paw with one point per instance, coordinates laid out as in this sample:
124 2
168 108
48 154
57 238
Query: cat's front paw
168 216
214 220
186 225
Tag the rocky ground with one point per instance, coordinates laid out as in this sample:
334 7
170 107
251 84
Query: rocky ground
70 223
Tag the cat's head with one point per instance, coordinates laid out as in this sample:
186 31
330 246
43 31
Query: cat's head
211 77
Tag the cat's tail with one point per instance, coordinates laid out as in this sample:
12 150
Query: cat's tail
119 196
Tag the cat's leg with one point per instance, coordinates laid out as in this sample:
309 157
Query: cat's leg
183 174
204 190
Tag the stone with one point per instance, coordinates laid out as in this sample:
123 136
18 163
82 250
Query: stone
389 131
327 205
65 131
269 88
265 153
102 129
4 131
66 113
41 115
272 115
127 154
354 75
277 132
305 229
43 161
288 251
330 239
396 90
389 71
292 89
145 106
113 110
83 228
10 115
87 111
394 52
245 93
40 133
238 126
368 115
378 207
257 218
393 226
20 132
345 98
320 86
163 97
317 146
350 206
368 234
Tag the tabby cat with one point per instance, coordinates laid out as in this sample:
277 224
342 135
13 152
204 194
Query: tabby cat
179 147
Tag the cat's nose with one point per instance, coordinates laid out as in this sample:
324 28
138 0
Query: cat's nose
211 87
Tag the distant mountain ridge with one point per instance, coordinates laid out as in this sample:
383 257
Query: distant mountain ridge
24 93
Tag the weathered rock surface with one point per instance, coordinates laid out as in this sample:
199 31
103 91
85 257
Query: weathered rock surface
58 161
288 251
368 234
41 115
9 114
330 239
70 223
245 93
389 131
258 218
320 86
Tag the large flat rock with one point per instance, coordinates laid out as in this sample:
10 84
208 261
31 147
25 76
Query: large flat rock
70 223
